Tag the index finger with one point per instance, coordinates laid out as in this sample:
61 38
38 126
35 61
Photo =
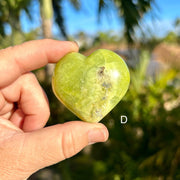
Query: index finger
17 60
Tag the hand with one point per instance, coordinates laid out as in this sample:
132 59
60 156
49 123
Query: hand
25 146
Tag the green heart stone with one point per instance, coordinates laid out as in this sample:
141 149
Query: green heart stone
91 86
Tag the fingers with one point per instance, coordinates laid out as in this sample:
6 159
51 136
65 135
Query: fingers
7 129
33 109
22 154
17 60
56 143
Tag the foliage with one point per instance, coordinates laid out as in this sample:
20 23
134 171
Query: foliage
10 14
177 25
106 37
18 38
172 37
130 11
58 14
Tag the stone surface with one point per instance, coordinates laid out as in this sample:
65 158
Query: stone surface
91 86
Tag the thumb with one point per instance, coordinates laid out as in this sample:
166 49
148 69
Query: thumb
53 144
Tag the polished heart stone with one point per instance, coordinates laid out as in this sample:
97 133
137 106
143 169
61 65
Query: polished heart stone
91 86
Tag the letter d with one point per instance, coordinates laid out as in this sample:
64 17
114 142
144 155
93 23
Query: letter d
124 119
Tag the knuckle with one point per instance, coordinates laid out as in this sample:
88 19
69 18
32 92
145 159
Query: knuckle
28 79
68 145
30 76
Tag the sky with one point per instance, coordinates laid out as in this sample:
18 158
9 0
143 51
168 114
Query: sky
85 20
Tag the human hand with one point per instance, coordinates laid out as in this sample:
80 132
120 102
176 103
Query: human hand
25 146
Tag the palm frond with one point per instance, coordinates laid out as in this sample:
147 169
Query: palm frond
76 4
59 19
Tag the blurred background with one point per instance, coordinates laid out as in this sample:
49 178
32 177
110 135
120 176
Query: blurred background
146 33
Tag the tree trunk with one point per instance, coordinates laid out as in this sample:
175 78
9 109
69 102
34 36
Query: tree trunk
46 10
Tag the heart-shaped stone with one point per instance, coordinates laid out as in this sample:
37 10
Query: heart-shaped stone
91 86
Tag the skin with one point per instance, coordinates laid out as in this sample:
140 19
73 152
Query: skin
25 145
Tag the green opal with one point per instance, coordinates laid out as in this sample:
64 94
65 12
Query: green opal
91 86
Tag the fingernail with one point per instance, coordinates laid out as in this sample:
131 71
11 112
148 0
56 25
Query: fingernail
97 135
